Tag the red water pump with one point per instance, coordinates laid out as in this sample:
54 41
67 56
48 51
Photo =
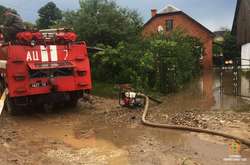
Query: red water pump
129 98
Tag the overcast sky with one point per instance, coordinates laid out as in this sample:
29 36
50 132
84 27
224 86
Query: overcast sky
213 13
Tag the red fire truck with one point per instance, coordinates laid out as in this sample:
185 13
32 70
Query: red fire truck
45 67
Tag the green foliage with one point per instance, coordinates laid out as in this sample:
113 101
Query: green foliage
160 63
230 48
29 25
68 20
177 60
217 48
103 22
2 9
48 15
116 65
104 90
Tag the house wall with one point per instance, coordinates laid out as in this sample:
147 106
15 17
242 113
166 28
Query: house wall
190 27
245 56
242 23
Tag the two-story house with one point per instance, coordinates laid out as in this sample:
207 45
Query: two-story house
171 18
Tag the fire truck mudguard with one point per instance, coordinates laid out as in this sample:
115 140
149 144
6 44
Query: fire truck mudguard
50 68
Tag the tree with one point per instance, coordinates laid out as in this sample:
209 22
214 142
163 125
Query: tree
2 9
49 15
67 21
102 21
230 49
29 25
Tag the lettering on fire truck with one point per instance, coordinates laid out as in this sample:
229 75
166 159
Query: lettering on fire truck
32 56
45 56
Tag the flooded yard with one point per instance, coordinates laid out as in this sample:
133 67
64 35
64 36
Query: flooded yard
103 133
211 92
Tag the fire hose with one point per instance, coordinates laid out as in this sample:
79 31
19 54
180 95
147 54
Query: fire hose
2 100
185 128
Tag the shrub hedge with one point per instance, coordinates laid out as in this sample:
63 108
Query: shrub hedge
162 63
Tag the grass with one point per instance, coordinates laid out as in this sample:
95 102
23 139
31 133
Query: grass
109 90
105 90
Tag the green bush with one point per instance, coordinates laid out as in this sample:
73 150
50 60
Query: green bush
161 63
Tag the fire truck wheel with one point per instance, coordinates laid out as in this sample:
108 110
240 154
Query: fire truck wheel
2 85
12 108
72 101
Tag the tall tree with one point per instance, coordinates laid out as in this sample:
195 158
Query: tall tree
102 21
48 15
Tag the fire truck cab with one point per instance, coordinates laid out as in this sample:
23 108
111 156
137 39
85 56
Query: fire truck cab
44 67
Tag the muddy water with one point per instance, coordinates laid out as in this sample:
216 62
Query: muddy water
92 135
210 92
228 89
73 139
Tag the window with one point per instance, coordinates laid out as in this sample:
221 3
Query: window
169 25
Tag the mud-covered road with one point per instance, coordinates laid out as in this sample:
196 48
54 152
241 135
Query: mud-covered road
102 133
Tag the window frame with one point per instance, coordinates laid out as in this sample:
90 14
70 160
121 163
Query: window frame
169 25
